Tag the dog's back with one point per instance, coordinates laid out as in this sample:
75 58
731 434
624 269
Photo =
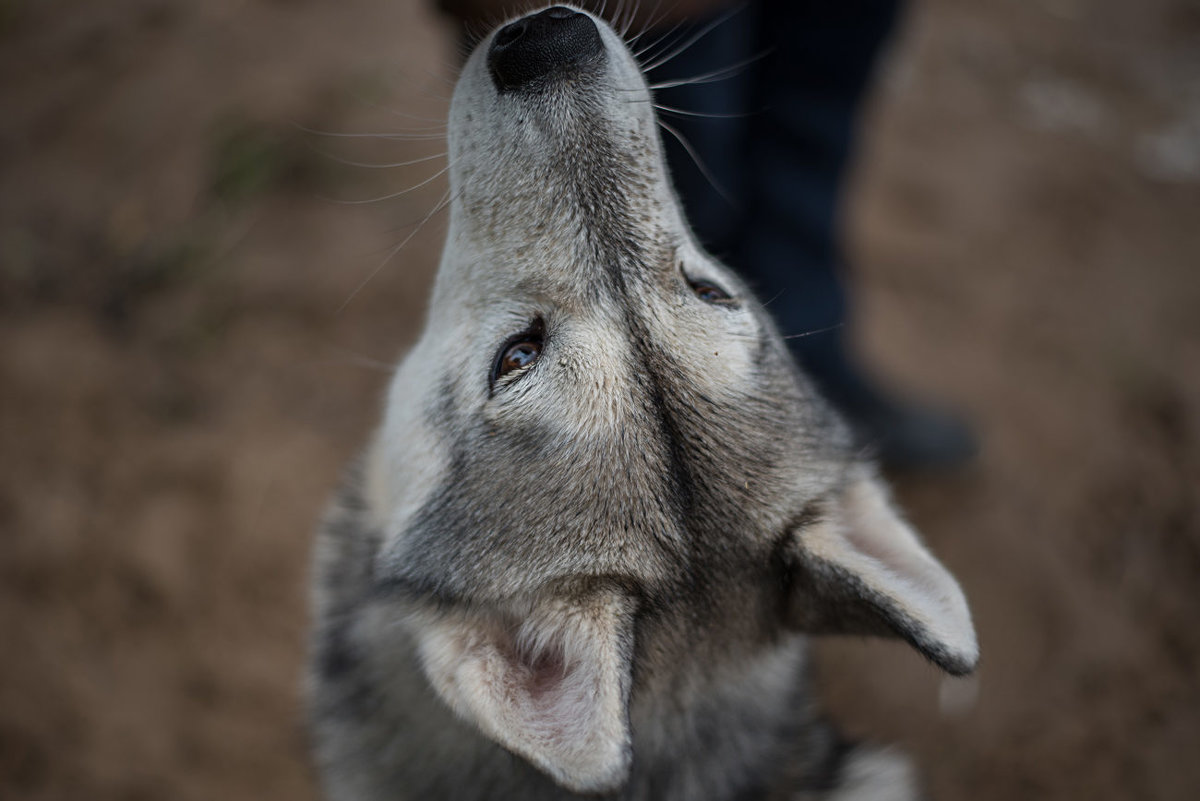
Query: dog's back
581 554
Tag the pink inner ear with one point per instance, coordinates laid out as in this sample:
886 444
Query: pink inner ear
553 689
907 563
560 695
547 673
876 531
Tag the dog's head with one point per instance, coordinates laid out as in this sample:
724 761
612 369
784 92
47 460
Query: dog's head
600 476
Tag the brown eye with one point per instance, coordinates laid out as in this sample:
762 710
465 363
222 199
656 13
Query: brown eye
710 292
518 353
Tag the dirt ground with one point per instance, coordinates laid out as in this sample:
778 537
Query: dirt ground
190 349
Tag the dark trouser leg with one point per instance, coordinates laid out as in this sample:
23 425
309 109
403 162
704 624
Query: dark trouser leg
785 163
785 160
810 91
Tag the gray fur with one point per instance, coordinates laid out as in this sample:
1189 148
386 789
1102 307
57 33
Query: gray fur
641 526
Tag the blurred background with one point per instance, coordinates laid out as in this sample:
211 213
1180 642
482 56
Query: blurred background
196 328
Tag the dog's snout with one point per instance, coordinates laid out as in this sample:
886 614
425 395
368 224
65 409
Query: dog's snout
527 53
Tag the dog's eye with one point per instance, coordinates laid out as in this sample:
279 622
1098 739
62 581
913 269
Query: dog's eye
518 355
519 352
709 292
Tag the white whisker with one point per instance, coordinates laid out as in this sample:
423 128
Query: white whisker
686 113
707 29
390 165
346 356
441 204
699 163
441 121
401 136
714 76
663 37
824 330
654 18
451 68
414 187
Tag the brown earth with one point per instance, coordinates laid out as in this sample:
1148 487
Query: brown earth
186 362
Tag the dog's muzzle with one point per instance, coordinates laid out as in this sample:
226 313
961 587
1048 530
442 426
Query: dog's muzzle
534 51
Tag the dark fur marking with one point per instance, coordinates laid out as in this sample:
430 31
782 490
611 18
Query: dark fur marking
349 693
334 657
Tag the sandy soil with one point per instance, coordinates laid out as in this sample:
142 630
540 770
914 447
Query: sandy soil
186 361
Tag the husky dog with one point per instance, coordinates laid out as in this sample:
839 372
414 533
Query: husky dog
604 509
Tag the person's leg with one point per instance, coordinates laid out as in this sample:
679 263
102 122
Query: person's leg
778 146
786 162
808 94
810 90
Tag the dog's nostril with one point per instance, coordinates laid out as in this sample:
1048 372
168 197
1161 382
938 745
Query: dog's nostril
509 34
528 53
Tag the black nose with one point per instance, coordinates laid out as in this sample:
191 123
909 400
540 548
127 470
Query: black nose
528 53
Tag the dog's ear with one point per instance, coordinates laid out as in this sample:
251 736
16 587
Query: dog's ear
860 569
553 687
